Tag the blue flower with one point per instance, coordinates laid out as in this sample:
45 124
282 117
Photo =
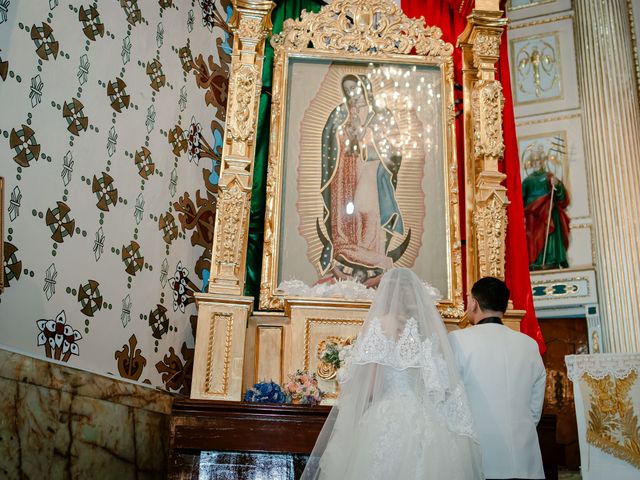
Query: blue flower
265 392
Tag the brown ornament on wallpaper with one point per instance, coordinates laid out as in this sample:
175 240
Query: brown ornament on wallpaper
4 69
199 217
105 191
132 11
46 44
73 113
90 298
167 225
176 372
159 321
92 27
12 266
215 79
118 95
25 145
132 258
60 222
131 362
186 58
178 140
144 162
156 75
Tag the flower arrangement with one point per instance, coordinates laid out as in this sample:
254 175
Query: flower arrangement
303 389
265 392
331 354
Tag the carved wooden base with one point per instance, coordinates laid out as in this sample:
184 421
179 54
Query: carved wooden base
219 354
277 345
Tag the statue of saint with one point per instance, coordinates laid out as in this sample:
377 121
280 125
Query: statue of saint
361 157
547 223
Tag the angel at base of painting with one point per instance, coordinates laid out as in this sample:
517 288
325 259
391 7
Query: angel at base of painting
361 158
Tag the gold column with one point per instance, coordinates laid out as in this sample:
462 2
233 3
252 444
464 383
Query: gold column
223 312
250 23
609 97
486 199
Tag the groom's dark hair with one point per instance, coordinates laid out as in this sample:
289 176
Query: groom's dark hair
491 293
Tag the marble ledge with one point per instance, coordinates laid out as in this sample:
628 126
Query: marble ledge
47 433
24 369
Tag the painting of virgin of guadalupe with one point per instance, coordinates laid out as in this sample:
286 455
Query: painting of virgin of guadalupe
364 179
361 157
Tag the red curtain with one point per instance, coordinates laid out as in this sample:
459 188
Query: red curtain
450 16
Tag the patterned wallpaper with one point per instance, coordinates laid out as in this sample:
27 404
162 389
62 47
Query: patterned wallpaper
111 123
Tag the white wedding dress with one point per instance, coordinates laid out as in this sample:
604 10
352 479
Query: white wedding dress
402 412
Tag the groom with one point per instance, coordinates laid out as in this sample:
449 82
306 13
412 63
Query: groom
505 381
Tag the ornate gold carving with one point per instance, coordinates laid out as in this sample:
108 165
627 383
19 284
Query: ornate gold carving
490 220
227 354
241 126
231 209
612 421
486 45
370 27
488 102
484 147
251 28
250 23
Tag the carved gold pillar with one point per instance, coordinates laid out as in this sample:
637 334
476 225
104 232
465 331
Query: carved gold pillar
223 312
486 199
609 97
250 23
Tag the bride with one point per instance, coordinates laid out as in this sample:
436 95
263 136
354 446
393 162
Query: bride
403 412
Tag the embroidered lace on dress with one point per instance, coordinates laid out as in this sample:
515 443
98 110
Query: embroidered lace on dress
409 351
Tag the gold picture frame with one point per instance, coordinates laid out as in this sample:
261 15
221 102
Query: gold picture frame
352 38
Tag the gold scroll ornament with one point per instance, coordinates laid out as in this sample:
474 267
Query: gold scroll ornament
612 420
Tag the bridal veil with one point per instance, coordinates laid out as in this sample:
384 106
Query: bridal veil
402 412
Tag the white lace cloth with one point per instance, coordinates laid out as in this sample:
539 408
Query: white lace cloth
347 289
602 364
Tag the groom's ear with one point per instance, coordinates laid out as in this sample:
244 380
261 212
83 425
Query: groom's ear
474 306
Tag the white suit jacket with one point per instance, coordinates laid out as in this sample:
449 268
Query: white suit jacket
505 381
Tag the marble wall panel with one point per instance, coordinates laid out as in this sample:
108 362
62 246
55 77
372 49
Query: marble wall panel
62 423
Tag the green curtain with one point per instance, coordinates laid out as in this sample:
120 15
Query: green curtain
283 10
